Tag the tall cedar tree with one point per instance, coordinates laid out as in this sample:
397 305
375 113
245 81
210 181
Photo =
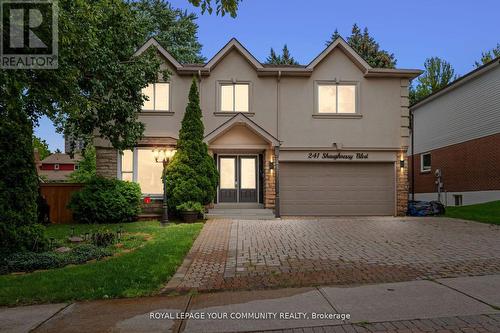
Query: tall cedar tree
192 175
284 59
366 46
438 74
18 185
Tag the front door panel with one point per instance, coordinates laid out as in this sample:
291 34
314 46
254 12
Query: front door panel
228 191
248 179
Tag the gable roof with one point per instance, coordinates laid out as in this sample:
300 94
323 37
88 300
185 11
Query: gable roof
340 43
236 45
278 70
241 119
60 158
458 82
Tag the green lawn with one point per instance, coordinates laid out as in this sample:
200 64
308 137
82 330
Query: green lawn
488 212
141 272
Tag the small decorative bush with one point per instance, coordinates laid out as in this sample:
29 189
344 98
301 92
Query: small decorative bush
103 238
105 200
190 206
31 261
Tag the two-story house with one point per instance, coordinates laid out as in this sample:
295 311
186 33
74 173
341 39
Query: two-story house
327 138
456 138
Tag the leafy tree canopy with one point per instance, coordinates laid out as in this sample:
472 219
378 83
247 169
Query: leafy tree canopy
175 29
42 146
488 56
222 7
366 46
284 58
86 168
438 74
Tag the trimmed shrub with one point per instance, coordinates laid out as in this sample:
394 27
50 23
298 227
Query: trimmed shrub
31 261
104 200
190 206
192 174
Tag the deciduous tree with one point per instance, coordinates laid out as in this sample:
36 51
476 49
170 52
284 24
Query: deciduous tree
488 56
438 74
42 147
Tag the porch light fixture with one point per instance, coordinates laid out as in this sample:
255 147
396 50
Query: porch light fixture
164 156
402 164
271 165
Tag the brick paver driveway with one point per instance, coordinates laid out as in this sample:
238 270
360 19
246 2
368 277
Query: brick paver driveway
239 254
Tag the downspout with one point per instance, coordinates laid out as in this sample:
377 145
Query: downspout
412 124
277 152
278 105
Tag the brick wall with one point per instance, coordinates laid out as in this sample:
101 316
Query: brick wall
402 186
106 162
269 180
469 166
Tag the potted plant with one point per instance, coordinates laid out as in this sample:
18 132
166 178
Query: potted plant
190 211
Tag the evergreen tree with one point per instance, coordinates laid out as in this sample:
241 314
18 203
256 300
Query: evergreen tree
19 230
284 59
438 74
366 46
273 58
191 175
488 56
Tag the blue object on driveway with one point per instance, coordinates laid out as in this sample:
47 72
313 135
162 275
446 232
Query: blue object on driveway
425 208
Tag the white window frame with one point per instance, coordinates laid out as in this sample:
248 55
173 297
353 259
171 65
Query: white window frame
135 167
56 166
233 83
319 83
422 167
169 91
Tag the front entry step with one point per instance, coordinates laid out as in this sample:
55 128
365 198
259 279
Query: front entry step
240 213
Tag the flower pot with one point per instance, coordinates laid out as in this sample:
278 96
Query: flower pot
189 217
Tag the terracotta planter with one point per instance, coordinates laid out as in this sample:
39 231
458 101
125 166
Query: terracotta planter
189 217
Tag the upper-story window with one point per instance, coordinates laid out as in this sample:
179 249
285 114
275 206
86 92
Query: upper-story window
425 162
158 97
336 98
234 97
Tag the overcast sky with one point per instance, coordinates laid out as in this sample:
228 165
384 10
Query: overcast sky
413 30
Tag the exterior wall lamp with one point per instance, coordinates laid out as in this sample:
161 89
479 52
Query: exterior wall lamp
271 165
402 164
164 156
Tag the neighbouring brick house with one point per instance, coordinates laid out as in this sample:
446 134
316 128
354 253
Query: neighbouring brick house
57 166
457 131
327 138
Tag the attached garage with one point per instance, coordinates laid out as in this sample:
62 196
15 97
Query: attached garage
323 188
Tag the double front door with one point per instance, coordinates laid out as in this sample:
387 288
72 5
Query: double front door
238 178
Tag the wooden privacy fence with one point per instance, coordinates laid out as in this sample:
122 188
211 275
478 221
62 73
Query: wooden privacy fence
57 196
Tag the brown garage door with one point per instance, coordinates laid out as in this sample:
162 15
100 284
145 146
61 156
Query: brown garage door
336 188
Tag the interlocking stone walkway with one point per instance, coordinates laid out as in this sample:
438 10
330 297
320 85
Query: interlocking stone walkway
239 254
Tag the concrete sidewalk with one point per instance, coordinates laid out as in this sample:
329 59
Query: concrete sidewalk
468 304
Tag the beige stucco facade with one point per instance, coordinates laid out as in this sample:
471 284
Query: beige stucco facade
282 122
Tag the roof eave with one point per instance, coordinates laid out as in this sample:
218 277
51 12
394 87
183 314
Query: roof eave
388 72
458 82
